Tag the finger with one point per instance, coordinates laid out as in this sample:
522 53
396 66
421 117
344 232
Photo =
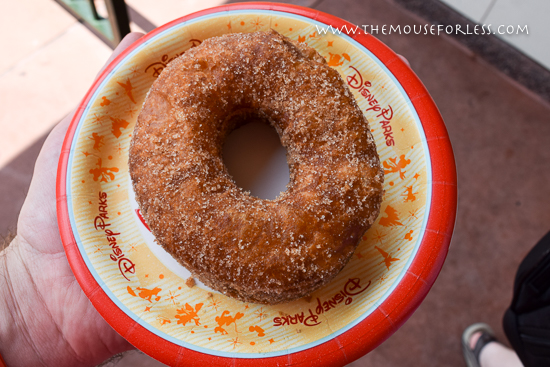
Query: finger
123 45
58 133
56 137
42 189
404 60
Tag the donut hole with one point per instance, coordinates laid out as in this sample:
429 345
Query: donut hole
255 158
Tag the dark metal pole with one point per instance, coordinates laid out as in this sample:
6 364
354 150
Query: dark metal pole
118 16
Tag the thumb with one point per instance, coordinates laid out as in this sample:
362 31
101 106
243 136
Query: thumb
123 45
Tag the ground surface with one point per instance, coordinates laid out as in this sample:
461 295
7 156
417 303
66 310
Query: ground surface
500 135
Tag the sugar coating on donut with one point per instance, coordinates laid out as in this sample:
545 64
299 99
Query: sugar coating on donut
255 250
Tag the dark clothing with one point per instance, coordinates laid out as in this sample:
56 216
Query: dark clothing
527 321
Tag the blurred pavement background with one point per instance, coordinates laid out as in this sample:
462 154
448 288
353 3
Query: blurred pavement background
500 133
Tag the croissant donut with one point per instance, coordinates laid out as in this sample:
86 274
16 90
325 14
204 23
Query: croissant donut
255 250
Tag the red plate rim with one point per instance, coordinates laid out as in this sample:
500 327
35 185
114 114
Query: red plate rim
382 322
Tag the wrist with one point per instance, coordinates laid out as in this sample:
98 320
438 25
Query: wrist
16 345
14 339
29 335
45 318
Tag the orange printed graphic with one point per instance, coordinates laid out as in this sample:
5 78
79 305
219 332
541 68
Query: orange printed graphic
392 218
163 320
416 176
413 213
261 313
257 329
118 124
313 35
271 341
134 70
104 172
329 43
381 278
388 260
128 89
97 119
379 236
189 314
131 291
146 294
257 24
172 297
98 141
409 194
225 319
408 235
301 39
131 112
214 304
334 60
105 102
394 166
235 341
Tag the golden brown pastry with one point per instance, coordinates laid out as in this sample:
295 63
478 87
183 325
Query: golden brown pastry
255 250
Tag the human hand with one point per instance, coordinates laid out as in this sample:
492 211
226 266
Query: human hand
45 318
